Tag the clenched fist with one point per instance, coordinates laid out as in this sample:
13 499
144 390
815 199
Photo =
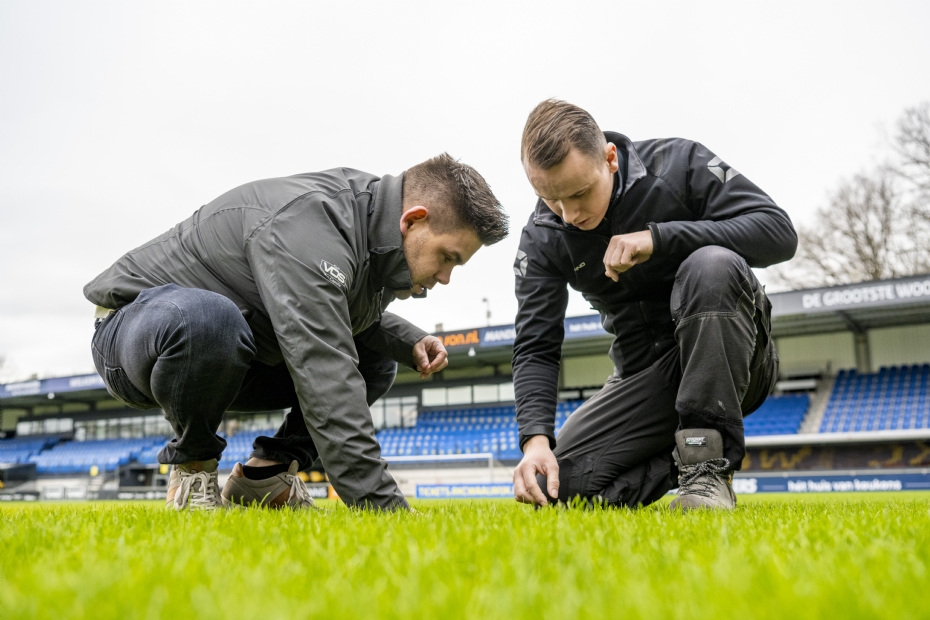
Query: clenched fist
625 251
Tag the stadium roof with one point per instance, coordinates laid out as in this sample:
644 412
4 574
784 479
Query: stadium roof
86 389
854 307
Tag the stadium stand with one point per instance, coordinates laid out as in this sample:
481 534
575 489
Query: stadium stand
238 448
77 457
778 415
464 431
20 449
494 430
894 398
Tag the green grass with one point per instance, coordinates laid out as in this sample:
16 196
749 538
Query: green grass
836 556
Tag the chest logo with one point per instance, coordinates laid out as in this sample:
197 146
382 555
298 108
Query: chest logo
519 265
721 170
581 266
334 274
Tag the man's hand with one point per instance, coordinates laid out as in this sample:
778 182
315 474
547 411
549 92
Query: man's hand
537 459
625 251
430 356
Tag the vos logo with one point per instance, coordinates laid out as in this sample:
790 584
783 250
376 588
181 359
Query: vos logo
334 274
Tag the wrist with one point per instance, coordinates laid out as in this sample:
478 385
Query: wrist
536 442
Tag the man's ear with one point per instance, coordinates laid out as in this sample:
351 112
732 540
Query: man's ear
613 160
411 216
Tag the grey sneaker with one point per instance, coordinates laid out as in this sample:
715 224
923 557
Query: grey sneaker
705 479
194 486
285 490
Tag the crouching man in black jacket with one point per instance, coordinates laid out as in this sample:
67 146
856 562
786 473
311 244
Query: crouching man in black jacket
659 236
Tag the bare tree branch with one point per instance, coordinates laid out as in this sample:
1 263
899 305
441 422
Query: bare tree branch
866 233
877 225
912 145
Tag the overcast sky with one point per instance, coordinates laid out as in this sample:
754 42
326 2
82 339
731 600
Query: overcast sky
118 120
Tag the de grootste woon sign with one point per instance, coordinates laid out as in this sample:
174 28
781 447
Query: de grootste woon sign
867 294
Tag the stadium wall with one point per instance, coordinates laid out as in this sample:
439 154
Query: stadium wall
9 417
824 352
578 372
893 346
888 346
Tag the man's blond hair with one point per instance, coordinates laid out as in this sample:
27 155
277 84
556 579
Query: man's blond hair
553 128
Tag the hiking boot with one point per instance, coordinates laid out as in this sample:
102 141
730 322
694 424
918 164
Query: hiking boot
194 486
705 479
285 490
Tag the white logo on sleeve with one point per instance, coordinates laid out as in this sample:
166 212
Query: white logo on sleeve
721 170
334 274
519 265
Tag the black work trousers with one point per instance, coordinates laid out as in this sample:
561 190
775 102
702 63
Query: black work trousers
617 447
191 353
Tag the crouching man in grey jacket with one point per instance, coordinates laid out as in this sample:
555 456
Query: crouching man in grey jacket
273 296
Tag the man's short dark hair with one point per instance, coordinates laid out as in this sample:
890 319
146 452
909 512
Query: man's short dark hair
553 128
461 195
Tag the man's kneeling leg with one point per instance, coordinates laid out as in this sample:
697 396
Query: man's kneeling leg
635 487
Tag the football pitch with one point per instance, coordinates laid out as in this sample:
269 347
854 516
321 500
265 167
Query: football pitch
816 556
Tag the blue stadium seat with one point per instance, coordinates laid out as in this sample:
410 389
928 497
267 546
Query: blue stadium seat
893 398
464 431
494 429
78 457
778 415
20 449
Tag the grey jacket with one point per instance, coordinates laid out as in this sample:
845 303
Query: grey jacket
312 261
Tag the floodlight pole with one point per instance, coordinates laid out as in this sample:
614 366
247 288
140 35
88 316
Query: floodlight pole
487 314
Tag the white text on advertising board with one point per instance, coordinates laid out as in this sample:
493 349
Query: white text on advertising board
504 334
866 294
832 486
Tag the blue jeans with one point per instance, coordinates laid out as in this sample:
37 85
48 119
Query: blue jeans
191 353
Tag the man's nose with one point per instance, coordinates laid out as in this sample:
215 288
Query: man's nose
443 276
570 214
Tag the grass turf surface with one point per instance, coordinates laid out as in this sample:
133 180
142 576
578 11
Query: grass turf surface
775 557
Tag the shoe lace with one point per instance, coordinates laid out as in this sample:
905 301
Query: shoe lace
298 490
187 491
701 478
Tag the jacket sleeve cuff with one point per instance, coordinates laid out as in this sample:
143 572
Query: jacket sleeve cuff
395 338
657 249
538 429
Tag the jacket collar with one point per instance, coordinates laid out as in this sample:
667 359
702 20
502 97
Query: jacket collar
634 170
631 171
388 263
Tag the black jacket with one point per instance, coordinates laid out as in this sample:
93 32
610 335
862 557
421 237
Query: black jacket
689 199
311 260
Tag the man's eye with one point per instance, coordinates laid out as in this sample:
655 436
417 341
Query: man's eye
580 194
